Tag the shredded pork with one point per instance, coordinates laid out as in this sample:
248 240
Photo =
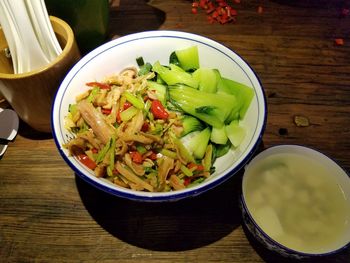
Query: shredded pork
127 152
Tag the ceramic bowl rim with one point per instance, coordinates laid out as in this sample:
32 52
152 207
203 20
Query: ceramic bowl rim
175 195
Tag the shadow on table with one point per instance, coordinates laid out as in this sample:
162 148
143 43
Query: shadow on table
173 226
134 16
28 132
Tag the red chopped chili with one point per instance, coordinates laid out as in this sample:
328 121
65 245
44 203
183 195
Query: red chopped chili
94 150
98 84
217 11
222 4
197 167
215 14
136 157
339 41
231 12
119 119
158 110
187 181
84 159
145 127
152 156
106 111
203 4
126 105
210 19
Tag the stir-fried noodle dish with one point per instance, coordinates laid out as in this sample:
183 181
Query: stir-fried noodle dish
157 127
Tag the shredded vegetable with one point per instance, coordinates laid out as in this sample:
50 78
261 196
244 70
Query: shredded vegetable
130 131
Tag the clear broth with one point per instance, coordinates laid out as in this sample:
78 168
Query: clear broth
298 203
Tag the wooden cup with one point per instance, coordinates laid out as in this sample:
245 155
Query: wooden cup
31 94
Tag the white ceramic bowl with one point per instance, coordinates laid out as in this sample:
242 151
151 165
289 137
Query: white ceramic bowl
118 54
266 231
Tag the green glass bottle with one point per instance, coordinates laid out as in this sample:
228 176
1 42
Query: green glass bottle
88 19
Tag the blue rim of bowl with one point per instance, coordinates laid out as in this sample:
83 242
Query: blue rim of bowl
290 250
175 195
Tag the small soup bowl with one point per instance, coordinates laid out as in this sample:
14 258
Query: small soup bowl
302 217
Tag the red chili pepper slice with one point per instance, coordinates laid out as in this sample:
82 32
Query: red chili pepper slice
84 159
215 14
98 84
198 167
210 10
339 41
222 4
145 127
119 119
152 156
217 11
158 110
211 19
187 181
203 4
106 111
94 150
127 105
231 11
191 165
136 157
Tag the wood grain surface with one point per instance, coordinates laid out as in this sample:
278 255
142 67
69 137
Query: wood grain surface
48 214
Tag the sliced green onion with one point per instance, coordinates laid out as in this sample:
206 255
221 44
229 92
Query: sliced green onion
168 153
128 113
158 128
186 171
112 153
141 149
93 94
133 100
73 108
208 157
140 62
144 69
109 171
101 155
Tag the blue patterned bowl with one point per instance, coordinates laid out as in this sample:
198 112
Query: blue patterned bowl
275 225
152 46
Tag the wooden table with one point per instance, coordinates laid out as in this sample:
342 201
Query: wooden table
47 214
